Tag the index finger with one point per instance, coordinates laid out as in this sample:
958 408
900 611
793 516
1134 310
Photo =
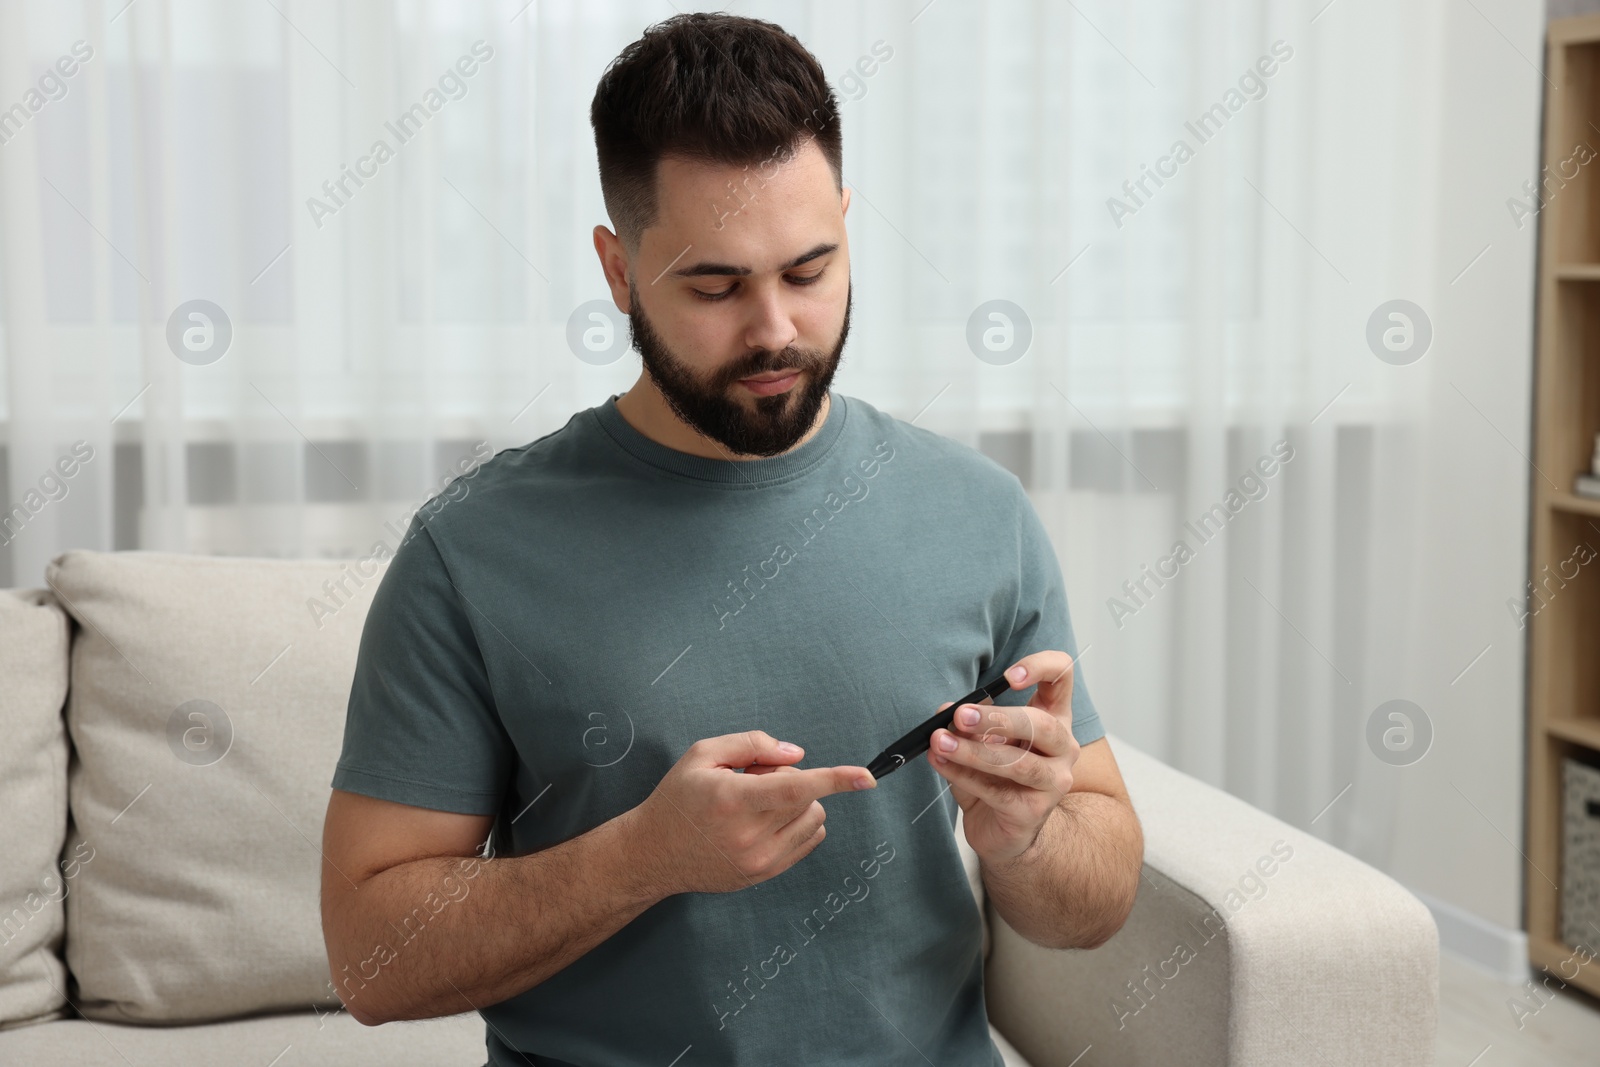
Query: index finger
800 786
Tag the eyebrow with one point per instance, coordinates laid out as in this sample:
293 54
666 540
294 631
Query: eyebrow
701 269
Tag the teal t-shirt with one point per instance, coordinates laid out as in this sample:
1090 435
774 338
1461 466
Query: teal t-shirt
546 645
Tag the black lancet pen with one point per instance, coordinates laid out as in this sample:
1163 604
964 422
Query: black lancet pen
917 741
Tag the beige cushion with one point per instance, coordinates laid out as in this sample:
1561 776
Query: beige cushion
297 1039
1008 1053
303 1039
33 800
202 898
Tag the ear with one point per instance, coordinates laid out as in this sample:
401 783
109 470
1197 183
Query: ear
614 263
844 207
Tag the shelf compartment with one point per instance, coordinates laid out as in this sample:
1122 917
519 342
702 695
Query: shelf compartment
1569 387
1563 617
1569 182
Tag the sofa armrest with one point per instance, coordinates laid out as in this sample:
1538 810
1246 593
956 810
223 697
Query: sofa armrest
1251 942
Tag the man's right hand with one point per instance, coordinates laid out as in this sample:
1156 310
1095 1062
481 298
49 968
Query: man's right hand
707 828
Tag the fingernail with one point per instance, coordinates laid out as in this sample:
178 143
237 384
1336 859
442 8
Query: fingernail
947 742
1017 674
865 782
787 749
969 716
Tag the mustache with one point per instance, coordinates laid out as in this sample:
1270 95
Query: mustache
767 362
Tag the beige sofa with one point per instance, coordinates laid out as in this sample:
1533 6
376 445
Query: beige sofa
171 726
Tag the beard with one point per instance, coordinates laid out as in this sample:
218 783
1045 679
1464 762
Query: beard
776 423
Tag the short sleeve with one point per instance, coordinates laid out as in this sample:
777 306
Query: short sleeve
421 726
1041 620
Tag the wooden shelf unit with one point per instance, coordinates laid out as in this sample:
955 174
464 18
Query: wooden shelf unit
1564 637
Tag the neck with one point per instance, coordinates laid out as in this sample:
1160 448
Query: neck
648 412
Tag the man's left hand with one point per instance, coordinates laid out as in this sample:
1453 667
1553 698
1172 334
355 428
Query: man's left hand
1010 766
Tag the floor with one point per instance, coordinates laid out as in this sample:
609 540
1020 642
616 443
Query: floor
1478 1029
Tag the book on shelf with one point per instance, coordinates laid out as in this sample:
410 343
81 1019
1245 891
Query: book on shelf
1587 485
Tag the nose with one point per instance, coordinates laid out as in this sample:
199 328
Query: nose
771 326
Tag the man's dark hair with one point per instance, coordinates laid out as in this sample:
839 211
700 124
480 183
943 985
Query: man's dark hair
712 88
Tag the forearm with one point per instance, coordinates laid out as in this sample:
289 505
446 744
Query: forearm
1074 887
446 935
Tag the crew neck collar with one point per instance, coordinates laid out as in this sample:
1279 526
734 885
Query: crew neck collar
729 473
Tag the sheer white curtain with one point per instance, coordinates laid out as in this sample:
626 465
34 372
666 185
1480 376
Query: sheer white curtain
381 330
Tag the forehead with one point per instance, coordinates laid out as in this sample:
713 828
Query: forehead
760 216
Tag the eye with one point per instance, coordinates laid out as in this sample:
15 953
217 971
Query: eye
793 279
